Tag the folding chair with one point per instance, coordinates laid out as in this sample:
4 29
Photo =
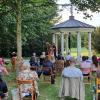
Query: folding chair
33 92
97 88
47 77
59 66
87 77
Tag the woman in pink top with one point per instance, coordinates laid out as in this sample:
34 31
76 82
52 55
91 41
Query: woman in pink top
85 66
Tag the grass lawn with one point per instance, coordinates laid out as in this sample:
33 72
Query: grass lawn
47 91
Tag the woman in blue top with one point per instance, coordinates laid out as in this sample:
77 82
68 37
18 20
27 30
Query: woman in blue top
49 64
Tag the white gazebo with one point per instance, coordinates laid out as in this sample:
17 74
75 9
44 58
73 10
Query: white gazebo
72 26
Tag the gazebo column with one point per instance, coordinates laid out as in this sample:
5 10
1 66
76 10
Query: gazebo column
56 44
62 43
89 45
53 38
78 46
67 49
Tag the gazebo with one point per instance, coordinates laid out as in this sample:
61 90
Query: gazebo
72 26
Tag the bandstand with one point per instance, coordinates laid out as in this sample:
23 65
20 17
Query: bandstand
72 26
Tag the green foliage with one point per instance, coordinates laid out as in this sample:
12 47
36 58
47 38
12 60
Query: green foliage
84 5
96 39
36 17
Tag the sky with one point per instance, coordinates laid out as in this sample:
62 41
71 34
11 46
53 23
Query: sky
65 13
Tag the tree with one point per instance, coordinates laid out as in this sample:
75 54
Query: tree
18 29
35 20
96 39
84 5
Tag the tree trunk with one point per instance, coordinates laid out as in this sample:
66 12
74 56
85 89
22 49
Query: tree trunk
18 32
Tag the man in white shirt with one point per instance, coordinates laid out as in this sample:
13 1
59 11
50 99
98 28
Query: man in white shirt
72 71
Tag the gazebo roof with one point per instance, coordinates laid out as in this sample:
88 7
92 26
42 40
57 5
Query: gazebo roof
72 23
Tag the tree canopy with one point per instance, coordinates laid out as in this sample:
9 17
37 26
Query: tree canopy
36 16
85 5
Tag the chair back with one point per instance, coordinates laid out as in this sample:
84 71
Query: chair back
23 82
87 75
86 70
59 66
73 87
47 73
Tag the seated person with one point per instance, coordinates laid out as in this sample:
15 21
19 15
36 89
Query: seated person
70 70
49 64
71 82
1 61
50 71
85 66
3 89
3 71
42 58
60 57
33 61
35 66
68 56
25 74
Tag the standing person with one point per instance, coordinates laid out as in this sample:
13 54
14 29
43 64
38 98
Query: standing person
51 51
54 50
47 47
13 60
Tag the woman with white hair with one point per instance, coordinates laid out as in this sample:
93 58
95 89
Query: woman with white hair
25 74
